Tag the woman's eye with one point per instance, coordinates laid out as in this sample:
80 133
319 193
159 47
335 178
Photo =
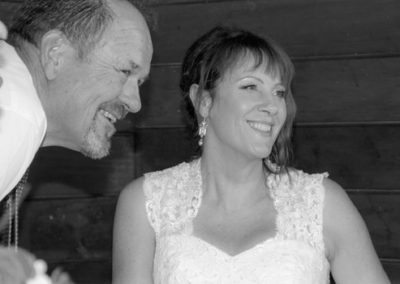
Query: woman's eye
280 93
249 87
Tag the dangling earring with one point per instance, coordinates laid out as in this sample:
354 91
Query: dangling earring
272 166
202 131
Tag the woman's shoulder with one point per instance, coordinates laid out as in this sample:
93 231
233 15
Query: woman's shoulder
293 179
132 193
300 174
342 220
177 170
156 184
174 175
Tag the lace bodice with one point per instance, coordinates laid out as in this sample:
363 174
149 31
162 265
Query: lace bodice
296 254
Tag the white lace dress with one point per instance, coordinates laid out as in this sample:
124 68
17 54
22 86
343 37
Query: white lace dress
295 255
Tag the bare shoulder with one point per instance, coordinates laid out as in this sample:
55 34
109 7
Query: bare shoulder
342 221
337 203
335 196
133 239
133 192
349 248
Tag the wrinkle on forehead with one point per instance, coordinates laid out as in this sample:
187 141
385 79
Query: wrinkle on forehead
126 38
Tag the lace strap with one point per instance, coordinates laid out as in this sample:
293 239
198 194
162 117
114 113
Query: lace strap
299 200
172 196
152 194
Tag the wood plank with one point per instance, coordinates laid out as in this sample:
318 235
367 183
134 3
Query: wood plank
58 172
81 229
304 28
87 272
393 270
326 91
68 230
158 149
356 157
381 213
348 90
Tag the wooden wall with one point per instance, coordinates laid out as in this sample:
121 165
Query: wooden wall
347 59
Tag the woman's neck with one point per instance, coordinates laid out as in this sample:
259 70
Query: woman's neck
232 181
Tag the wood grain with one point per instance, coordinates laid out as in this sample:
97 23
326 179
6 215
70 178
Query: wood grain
304 28
80 230
57 172
359 157
68 229
326 91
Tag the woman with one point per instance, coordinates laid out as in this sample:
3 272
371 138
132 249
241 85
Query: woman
239 214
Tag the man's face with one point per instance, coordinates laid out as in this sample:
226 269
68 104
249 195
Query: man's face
94 92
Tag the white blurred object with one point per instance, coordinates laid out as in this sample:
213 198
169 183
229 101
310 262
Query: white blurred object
3 31
40 273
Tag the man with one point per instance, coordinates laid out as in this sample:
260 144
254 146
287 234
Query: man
73 69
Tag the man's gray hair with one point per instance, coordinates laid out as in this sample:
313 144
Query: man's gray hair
82 21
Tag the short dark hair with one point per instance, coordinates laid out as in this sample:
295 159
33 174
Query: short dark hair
82 21
214 53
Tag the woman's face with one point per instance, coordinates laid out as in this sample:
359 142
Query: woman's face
248 110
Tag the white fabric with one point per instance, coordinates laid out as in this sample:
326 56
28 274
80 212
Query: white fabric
22 119
295 255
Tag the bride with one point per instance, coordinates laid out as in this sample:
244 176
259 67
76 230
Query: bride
239 213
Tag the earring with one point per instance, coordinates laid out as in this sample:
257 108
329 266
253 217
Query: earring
202 131
272 166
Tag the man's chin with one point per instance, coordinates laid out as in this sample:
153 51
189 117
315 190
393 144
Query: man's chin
96 148
96 154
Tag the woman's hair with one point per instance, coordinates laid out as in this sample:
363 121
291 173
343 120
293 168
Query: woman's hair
82 21
219 50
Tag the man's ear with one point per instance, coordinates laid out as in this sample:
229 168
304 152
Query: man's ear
55 48
201 102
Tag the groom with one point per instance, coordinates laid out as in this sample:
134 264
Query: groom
69 70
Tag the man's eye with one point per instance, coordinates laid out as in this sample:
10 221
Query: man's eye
126 72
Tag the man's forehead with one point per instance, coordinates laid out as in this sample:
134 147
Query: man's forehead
128 25
125 11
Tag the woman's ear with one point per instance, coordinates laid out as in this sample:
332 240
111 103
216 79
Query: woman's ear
201 100
54 50
205 104
194 88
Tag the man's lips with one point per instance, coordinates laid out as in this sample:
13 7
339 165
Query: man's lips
112 118
113 113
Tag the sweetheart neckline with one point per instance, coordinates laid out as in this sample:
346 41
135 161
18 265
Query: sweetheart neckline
237 255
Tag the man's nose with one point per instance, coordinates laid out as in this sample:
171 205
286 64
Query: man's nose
131 96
